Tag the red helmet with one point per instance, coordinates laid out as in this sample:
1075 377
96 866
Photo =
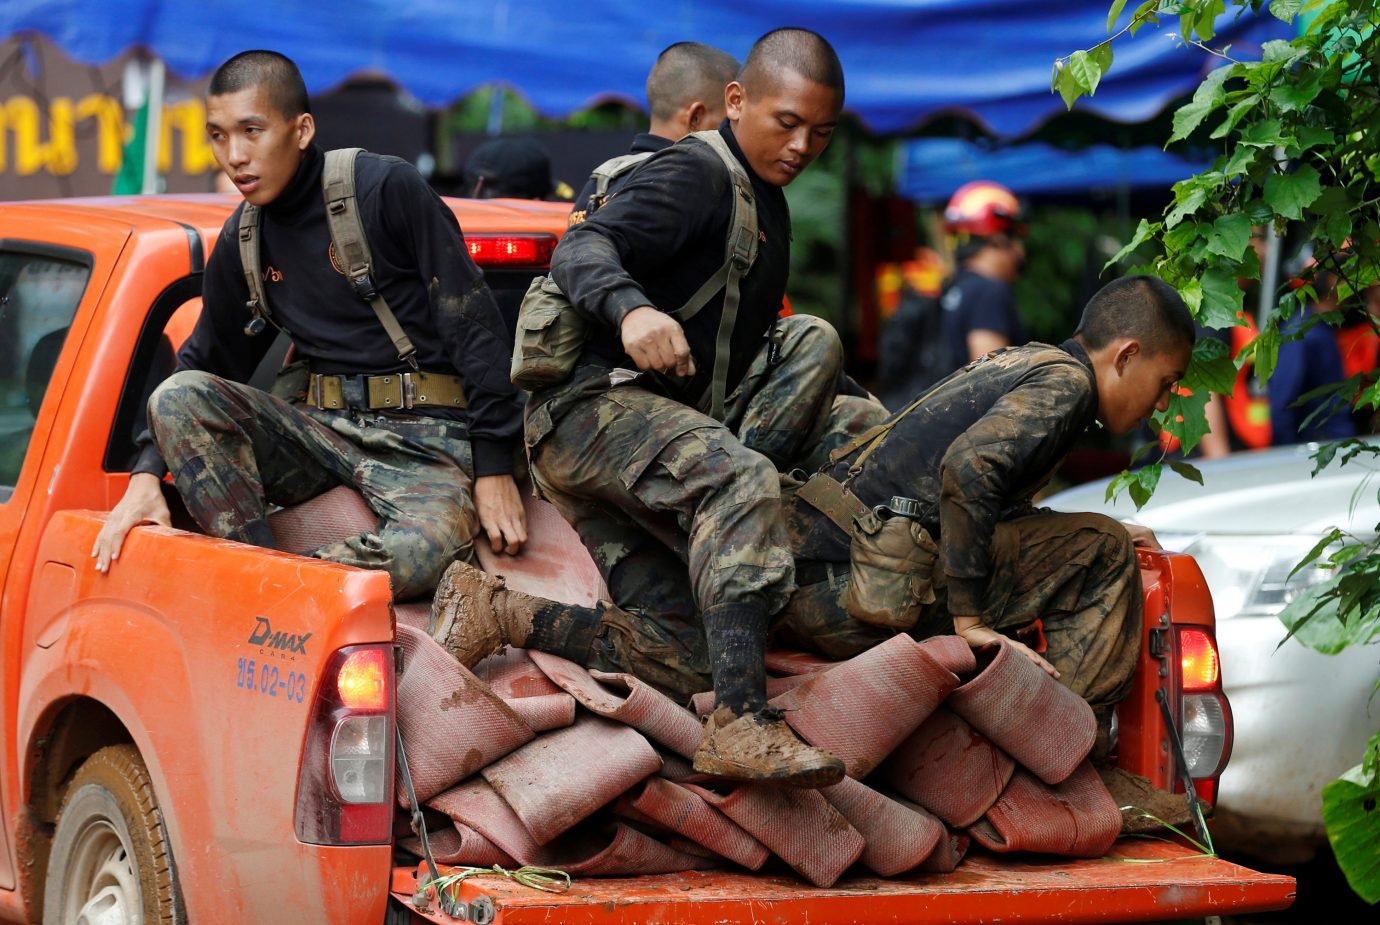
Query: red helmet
981 209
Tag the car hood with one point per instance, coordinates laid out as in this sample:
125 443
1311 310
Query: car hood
1265 492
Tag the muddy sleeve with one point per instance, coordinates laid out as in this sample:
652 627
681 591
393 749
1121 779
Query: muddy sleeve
218 343
466 316
672 201
1020 438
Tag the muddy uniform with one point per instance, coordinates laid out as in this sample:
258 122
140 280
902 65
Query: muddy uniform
644 143
973 454
233 450
680 511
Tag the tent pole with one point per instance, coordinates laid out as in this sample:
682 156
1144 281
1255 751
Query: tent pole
153 135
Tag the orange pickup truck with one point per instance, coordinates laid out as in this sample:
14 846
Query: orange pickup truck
150 773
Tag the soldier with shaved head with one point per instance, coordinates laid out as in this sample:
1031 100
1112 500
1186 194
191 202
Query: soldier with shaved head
685 93
662 449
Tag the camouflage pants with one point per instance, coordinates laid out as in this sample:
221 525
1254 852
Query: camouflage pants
680 512
233 450
1076 572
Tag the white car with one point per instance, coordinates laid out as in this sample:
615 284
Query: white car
1301 717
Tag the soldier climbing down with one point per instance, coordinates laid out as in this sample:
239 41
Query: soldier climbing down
663 447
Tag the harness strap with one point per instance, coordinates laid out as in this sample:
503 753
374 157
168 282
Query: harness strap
612 169
741 252
253 271
352 247
831 498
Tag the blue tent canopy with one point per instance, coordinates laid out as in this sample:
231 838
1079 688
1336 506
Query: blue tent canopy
906 61
932 168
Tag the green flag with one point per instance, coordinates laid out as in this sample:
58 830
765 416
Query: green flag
130 178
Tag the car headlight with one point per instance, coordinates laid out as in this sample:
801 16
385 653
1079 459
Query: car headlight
1249 575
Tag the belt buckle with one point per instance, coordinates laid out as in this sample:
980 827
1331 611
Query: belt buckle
319 402
409 391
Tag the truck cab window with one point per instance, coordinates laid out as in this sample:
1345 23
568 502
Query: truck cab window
39 295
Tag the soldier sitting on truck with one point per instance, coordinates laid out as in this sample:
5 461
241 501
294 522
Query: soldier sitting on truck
925 523
427 433
661 448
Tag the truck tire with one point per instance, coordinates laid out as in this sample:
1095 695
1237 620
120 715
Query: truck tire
111 862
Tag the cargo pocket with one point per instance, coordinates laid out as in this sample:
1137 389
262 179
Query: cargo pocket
891 571
549 338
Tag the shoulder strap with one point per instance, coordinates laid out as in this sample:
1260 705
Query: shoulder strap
352 247
252 264
613 168
741 251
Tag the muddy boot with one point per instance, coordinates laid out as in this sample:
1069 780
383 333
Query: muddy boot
760 746
475 614
1144 807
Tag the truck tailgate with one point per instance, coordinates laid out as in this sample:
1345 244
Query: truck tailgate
1140 881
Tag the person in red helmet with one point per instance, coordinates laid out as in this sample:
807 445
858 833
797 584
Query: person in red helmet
979 304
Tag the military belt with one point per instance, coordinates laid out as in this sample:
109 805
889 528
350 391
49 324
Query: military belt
390 392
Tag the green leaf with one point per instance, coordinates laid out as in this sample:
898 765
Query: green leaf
1143 16
1185 470
1264 351
1144 231
1142 485
1212 368
1222 299
1185 418
1334 535
1351 810
1333 208
1187 201
1289 193
1242 159
1115 13
1192 294
1266 134
1235 114
1209 95
1085 70
1230 236
1117 485
1067 85
1283 10
1310 136
1298 91
1278 50
1102 56
1205 22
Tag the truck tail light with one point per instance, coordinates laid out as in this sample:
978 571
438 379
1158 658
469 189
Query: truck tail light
345 789
511 250
1205 722
1198 661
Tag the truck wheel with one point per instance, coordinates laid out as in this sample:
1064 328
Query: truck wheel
111 863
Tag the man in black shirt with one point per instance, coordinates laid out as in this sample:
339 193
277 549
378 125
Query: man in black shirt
685 93
972 453
435 473
979 303
680 509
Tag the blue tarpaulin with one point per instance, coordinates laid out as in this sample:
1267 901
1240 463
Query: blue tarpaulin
906 61
932 168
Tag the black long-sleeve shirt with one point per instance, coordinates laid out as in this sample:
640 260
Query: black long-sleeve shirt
973 453
420 264
657 241
644 143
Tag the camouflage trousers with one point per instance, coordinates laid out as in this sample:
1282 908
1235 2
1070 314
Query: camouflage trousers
680 512
1077 573
234 450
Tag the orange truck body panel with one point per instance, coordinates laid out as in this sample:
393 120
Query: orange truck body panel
158 642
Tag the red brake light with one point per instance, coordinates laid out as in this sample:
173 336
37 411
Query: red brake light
363 680
511 250
1200 668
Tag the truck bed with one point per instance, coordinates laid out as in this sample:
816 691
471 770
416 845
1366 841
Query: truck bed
1141 880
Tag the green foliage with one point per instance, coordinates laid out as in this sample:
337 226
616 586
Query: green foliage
1351 811
1298 134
